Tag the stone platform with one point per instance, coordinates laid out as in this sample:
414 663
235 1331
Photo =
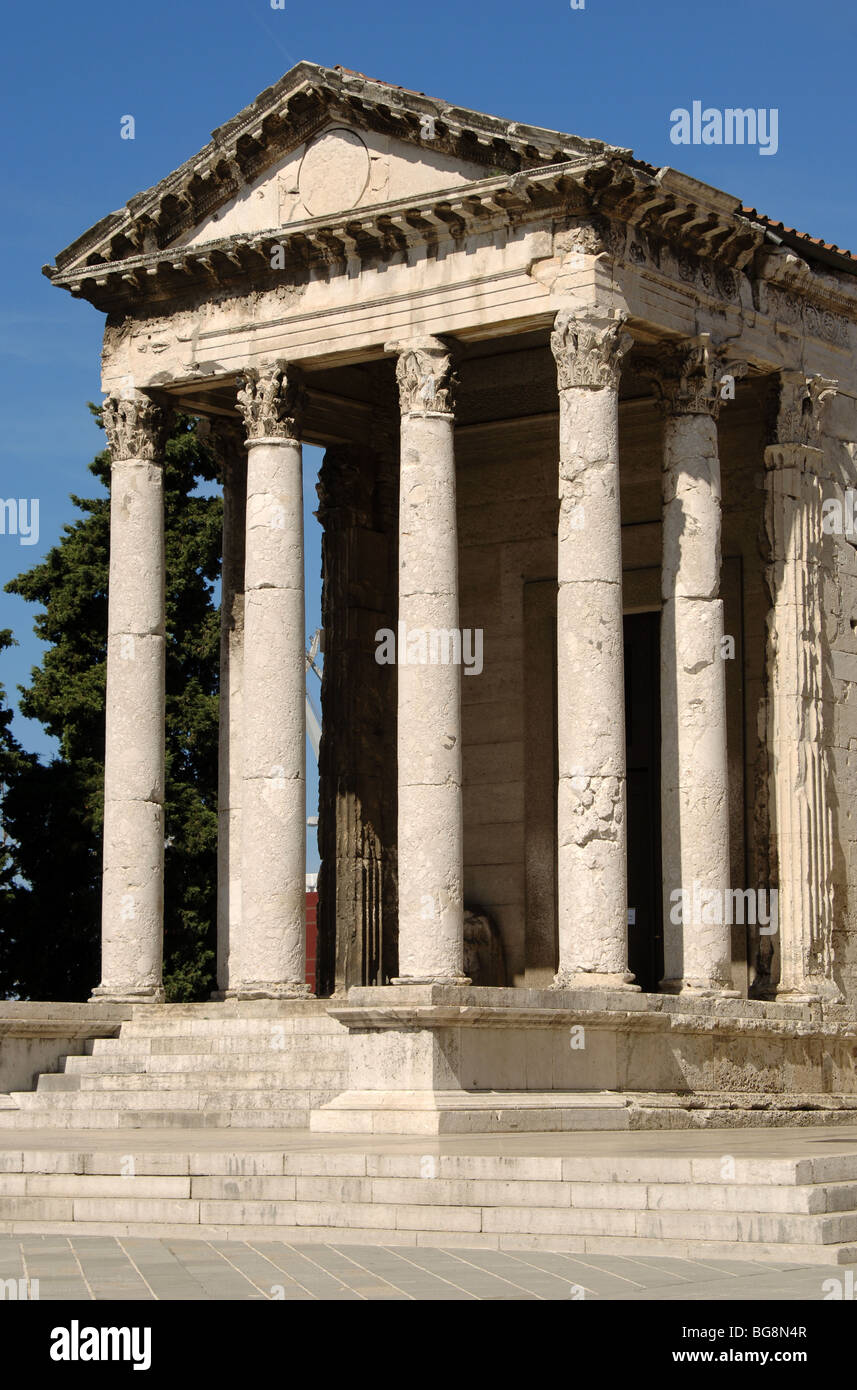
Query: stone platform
782 1195
434 1059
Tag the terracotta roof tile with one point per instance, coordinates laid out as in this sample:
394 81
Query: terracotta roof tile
779 228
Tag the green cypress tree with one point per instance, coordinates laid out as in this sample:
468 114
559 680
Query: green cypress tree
50 925
12 761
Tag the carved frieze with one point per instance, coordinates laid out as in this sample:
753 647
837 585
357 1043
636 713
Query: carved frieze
272 401
800 313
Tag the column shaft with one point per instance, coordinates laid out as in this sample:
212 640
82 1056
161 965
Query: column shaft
694 768
592 848
133 882
233 455
268 960
430 831
801 951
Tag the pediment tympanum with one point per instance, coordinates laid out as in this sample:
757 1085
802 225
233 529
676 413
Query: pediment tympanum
337 170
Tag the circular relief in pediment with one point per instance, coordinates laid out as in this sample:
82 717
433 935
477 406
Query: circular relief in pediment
334 173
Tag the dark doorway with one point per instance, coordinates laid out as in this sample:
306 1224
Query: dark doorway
643 742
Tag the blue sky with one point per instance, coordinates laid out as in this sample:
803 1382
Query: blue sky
613 70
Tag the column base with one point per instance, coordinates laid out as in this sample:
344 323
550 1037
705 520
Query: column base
821 992
431 980
115 994
291 989
594 979
700 989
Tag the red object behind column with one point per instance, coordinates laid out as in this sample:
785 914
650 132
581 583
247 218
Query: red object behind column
311 936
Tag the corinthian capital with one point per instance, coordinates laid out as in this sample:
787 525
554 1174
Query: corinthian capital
136 428
589 349
687 376
425 375
800 405
272 401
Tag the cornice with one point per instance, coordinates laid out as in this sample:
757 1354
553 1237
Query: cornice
605 186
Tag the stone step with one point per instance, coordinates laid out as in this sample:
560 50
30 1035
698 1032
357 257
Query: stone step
233 1008
837 1200
775 1208
146 1098
315 1024
833 1199
260 1044
226 1079
152 1063
760 1177
839 1254
295 1213
79 1119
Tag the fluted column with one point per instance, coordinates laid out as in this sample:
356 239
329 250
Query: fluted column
267 961
227 440
430 834
799 774
694 769
592 845
133 885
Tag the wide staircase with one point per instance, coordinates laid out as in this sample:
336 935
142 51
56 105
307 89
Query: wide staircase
194 1068
666 1204
161 1131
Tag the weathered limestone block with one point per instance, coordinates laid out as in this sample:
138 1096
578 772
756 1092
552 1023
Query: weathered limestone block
133 902
691 508
430 834
132 898
592 848
267 960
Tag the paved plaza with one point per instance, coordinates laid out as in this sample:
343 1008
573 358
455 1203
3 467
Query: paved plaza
104 1267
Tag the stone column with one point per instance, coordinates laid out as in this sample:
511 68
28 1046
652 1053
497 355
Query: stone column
801 816
430 834
268 959
694 770
228 443
132 928
592 889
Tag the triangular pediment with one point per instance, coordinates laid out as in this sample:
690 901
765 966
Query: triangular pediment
336 171
323 141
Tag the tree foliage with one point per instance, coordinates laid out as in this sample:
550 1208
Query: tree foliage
50 916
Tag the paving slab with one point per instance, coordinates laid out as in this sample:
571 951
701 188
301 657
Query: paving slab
664 1144
140 1269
